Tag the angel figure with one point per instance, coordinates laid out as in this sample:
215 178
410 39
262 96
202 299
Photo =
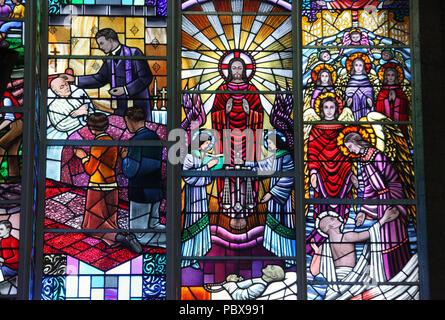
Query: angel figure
355 37
324 77
329 169
321 56
392 100
382 156
358 82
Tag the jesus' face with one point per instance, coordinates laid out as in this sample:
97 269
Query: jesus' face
237 70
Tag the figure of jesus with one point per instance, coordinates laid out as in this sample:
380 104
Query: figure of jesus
237 111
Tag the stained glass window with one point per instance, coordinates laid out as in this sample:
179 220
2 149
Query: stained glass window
105 196
296 171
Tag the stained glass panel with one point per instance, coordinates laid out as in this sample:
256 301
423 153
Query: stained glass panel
105 206
237 75
361 239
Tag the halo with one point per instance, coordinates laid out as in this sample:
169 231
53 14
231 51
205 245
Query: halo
278 133
317 69
365 131
210 133
356 55
223 65
355 30
324 96
326 214
396 66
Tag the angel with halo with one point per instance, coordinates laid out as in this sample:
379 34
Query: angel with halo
323 81
392 99
357 81
384 161
328 170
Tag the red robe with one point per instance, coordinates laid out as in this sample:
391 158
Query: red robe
333 170
396 110
237 118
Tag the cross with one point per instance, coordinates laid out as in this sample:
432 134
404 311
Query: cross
163 96
55 52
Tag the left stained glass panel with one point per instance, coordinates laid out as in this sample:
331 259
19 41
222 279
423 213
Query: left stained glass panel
12 36
93 48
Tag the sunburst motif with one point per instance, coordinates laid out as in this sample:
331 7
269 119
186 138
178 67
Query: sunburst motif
266 38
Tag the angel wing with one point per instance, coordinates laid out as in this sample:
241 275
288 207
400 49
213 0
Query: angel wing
313 58
399 58
391 141
346 115
309 116
308 94
281 116
195 115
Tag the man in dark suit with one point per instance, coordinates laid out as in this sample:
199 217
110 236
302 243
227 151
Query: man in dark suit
129 78
142 167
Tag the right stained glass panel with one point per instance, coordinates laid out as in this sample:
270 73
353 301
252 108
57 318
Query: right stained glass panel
361 238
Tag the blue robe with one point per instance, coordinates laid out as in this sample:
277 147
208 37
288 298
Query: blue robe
279 231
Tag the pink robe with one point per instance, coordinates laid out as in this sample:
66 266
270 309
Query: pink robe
382 182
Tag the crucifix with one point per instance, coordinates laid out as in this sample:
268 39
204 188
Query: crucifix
55 52
163 97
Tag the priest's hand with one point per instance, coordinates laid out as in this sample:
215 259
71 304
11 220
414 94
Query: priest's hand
349 102
229 105
246 106
117 91
369 101
67 77
359 219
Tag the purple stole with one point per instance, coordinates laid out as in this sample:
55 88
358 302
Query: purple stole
128 75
